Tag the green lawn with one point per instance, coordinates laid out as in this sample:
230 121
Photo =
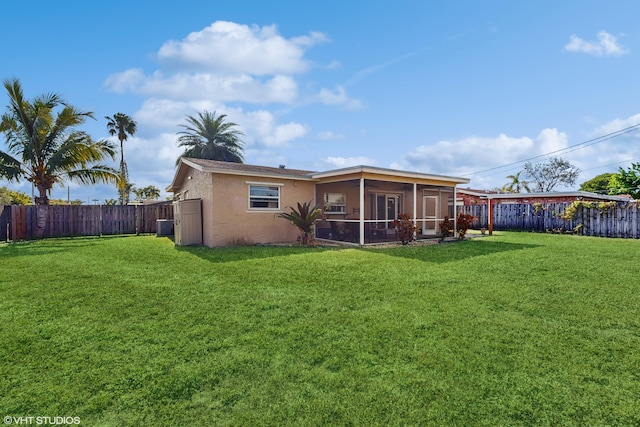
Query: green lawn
514 329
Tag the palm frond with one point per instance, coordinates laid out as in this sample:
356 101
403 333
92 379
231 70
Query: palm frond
10 167
208 136
94 175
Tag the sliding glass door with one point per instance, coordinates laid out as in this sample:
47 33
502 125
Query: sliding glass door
385 208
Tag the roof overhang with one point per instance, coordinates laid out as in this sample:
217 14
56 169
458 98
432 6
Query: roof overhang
337 175
391 175
576 194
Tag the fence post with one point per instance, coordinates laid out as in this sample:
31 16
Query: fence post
138 219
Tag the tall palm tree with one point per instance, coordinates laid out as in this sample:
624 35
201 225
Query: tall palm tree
123 126
210 137
516 186
46 150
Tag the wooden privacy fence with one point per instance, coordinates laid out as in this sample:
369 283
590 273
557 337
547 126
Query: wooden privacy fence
620 220
19 222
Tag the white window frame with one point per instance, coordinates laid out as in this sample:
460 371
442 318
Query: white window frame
270 185
329 205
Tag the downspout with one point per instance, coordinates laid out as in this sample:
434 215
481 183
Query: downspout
361 211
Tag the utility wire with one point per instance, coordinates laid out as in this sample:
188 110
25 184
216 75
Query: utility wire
612 164
575 147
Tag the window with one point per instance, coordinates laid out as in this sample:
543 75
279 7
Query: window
264 197
335 203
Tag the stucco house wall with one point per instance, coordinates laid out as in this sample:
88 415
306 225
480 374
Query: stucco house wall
236 222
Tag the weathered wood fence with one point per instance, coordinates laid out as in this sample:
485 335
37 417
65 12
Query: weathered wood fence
621 220
19 222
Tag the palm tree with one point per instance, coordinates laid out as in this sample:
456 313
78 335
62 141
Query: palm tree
47 150
123 126
516 186
210 137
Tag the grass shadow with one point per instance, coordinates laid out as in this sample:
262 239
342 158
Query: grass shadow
455 251
44 246
245 253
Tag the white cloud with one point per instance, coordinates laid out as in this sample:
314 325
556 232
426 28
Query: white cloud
606 45
263 131
338 97
344 162
480 153
329 136
234 48
617 125
125 81
217 87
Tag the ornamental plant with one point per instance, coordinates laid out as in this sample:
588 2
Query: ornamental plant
446 228
304 219
463 222
405 227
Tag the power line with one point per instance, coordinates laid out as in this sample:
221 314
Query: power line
612 164
575 147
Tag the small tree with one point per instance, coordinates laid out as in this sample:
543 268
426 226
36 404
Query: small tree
304 219
405 227
626 181
599 184
548 175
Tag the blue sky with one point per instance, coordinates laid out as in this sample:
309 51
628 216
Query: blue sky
449 88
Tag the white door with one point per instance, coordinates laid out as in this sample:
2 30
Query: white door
429 215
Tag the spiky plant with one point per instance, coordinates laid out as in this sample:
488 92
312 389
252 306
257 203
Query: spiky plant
304 219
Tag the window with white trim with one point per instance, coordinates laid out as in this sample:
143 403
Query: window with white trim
335 203
264 197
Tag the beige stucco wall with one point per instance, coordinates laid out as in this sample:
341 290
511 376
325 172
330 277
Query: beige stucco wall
233 222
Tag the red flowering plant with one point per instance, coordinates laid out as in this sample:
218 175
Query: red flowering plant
405 227
463 222
446 228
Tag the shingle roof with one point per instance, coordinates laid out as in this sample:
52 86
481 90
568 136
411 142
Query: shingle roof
241 167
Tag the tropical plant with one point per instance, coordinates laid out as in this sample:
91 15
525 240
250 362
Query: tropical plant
446 228
548 175
626 181
516 185
47 150
123 126
150 192
209 137
10 197
463 223
405 227
304 219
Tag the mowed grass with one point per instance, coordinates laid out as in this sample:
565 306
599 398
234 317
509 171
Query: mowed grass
514 329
